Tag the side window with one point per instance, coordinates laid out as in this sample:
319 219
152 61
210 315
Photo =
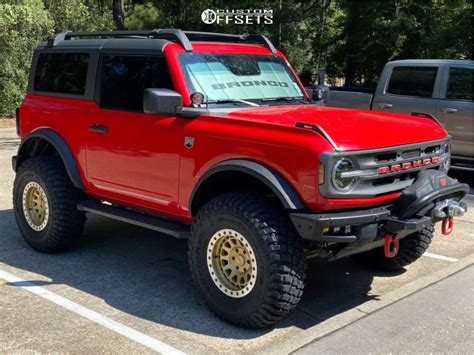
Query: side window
64 73
412 81
460 84
124 78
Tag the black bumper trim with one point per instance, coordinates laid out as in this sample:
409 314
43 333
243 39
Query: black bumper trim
401 227
311 226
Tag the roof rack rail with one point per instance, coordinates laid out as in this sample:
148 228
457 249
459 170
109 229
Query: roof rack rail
55 39
171 34
182 37
210 36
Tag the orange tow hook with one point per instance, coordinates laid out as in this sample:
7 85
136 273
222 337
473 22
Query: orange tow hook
391 245
447 226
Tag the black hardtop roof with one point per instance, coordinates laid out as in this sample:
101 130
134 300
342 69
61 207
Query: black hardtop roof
145 40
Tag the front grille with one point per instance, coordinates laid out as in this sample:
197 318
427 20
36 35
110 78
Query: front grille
386 157
411 154
402 162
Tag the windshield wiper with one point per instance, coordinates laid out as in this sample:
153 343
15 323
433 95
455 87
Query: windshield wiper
287 99
225 101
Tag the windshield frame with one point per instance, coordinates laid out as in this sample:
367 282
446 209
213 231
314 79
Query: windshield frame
267 101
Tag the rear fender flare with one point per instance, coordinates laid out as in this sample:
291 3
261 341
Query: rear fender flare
61 148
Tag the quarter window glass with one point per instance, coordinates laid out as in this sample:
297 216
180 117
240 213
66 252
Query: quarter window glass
124 78
64 73
412 81
460 84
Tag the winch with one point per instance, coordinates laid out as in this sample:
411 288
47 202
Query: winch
433 196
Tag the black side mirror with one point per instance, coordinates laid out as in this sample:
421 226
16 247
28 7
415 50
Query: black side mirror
319 93
162 101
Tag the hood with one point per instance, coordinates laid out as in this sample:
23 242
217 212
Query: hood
350 129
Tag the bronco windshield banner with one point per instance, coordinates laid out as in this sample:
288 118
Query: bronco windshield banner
222 77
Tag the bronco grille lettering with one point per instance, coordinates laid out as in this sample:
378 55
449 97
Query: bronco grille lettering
407 166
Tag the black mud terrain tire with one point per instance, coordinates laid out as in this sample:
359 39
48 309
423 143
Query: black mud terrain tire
280 263
411 248
64 224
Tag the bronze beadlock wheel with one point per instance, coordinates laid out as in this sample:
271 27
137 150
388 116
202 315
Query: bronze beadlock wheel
45 205
246 260
35 206
232 263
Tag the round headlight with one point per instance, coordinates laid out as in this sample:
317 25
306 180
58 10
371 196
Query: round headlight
343 166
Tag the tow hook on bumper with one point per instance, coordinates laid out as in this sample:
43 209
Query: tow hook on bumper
447 226
446 211
433 197
391 245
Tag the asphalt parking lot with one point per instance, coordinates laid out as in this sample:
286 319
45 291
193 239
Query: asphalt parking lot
126 289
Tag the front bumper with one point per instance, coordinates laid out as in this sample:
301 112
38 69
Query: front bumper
355 226
432 198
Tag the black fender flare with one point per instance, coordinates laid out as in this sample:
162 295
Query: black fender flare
282 189
60 146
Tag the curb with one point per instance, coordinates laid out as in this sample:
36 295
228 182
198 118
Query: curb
342 320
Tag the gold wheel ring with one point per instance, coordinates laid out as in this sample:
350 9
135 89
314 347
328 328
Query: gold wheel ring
35 206
231 263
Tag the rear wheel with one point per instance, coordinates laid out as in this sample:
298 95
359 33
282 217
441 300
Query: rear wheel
411 249
44 202
246 260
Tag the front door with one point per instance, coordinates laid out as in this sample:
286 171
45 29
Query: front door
410 89
455 111
133 156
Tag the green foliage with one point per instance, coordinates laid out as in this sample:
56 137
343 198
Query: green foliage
351 39
23 24
74 15
21 28
142 16
373 33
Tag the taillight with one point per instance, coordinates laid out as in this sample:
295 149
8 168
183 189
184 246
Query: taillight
17 120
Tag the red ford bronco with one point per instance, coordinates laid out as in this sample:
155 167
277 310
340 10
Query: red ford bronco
212 138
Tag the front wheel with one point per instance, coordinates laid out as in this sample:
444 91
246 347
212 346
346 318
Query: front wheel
411 249
246 260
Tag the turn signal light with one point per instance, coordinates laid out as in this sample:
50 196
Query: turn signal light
321 171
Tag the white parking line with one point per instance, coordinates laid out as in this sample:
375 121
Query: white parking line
91 315
440 257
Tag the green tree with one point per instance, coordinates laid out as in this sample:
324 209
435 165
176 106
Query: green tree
372 33
22 26
78 15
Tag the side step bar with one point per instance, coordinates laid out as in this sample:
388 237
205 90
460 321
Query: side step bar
175 229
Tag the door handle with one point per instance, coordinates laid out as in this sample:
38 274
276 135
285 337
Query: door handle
449 110
383 105
98 128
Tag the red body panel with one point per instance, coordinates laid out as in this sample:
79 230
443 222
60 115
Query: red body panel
352 129
143 162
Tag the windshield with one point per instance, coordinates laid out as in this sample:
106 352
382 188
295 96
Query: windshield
244 77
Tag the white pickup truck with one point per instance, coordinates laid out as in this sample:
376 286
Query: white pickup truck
442 89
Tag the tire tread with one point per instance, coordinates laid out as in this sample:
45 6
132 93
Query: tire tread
287 264
66 222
